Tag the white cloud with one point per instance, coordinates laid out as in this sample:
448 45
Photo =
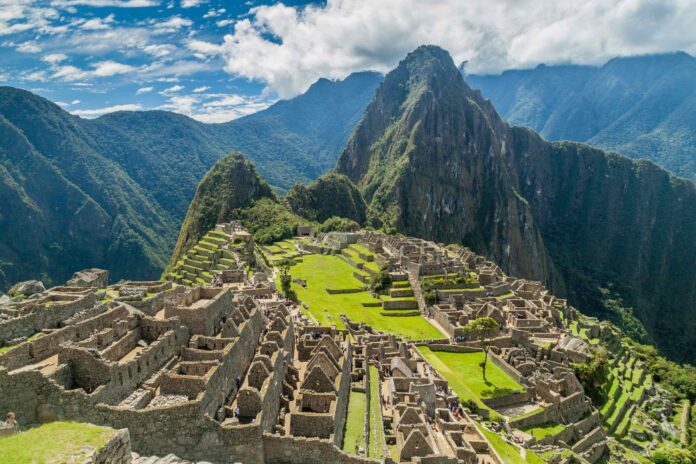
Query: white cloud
288 48
215 108
212 13
200 89
172 89
28 47
111 68
143 90
224 22
96 112
172 24
105 3
102 69
204 48
54 58
96 24
191 3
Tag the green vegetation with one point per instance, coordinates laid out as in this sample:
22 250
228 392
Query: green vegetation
670 454
593 376
322 272
269 221
509 454
228 186
339 224
544 430
377 441
354 436
484 329
381 282
463 372
54 442
331 195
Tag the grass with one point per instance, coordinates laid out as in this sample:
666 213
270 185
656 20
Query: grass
355 423
544 430
508 453
325 271
463 372
5 349
55 442
377 441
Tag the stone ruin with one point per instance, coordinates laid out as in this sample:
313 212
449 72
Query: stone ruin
228 373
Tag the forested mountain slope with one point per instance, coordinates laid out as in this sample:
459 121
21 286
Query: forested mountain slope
641 106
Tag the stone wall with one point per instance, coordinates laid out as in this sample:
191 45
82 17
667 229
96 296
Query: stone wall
234 364
342 397
49 344
43 318
115 451
296 450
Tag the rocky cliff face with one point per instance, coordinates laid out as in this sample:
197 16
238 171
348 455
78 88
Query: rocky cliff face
433 159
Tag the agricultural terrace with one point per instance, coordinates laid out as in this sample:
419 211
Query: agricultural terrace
322 272
463 372
55 442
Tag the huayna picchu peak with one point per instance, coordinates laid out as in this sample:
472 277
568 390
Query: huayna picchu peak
381 270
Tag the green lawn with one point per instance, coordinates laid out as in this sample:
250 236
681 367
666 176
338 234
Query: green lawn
355 423
544 430
463 372
54 442
508 453
377 441
325 271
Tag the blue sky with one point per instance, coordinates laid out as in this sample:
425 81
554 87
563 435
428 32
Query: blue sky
94 56
217 60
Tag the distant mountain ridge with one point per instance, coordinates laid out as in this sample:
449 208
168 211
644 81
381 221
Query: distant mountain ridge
640 106
136 172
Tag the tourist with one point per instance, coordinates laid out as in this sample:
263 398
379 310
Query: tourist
11 421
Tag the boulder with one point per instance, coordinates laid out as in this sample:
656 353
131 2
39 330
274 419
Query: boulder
98 278
27 288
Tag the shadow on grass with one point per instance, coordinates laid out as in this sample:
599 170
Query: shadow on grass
495 392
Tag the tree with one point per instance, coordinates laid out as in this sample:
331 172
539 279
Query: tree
381 282
593 375
483 328
285 277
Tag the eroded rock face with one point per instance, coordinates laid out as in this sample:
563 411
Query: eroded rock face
27 288
98 278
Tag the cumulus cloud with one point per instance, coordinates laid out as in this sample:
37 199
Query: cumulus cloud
203 48
54 58
288 48
191 3
96 112
143 90
172 24
28 47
